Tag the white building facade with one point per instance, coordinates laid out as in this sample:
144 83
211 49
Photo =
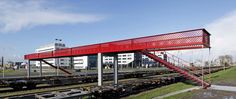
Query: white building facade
63 62
134 60
148 62
124 60
85 62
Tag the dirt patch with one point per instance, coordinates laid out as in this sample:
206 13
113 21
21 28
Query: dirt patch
212 94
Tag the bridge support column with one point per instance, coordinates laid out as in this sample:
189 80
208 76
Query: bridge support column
100 69
57 64
40 69
28 69
71 63
115 68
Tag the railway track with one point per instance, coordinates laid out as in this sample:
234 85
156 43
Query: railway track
85 86
88 79
21 83
152 81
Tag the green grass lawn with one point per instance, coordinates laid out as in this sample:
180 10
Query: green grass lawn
23 72
160 91
221 77
185 95
227 75
6 71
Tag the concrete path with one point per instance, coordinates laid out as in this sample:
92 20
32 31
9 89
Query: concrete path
177 92
213 87
223 88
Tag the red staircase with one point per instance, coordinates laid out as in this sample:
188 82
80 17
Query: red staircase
183 64
184 71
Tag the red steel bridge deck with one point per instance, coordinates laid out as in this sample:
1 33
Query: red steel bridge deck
190 39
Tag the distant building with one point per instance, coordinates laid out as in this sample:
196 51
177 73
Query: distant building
18 63
132 60
85 62
148 62
124 60
63 62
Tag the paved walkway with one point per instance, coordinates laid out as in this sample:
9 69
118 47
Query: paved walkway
213 87
223 88
177 92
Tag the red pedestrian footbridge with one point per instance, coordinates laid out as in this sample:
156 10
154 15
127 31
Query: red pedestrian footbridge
190 39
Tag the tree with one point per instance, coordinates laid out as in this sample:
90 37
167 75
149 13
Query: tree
226 60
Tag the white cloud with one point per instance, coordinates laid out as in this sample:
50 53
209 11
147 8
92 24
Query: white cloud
223 38
18 15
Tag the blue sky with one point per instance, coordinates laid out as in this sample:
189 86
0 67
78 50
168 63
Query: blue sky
24 26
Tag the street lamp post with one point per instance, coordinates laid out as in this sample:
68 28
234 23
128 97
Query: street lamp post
57 59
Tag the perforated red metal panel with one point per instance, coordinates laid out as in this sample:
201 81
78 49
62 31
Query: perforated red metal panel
31 56
206 39
86 50
116 46
198 38
45 55
62 52
179 39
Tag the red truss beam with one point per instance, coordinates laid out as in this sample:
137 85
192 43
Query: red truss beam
190 39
